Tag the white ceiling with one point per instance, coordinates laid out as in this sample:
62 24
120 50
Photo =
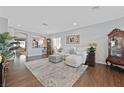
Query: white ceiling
52 19
20 35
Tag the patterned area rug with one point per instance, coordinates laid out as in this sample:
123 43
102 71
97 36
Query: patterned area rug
55 75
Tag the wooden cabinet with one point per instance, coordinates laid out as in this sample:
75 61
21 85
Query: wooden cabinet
3 72
90 60
0 75
49 46
116 47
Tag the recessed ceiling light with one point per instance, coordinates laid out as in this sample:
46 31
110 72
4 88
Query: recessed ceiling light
74 24
44 24
19 25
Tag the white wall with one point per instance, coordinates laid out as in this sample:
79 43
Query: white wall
30 51
95 33
3 25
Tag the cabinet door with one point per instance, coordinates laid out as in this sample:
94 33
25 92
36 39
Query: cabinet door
0 75
90 59
116 46
122 44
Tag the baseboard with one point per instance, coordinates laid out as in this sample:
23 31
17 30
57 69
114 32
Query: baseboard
101 62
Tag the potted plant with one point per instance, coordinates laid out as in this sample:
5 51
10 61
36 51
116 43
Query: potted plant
92 47
6 49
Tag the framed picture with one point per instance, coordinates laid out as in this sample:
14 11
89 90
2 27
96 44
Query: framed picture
73 39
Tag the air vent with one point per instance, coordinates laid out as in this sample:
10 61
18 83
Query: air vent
95 7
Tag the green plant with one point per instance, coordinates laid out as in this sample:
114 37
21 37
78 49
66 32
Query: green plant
6 46
93 45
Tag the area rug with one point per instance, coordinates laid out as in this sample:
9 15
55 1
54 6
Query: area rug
55 75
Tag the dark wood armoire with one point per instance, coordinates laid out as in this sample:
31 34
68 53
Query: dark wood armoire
116 47
49 46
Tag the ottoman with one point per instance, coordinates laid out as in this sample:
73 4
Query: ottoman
55 58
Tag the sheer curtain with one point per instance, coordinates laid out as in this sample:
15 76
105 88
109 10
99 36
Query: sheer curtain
57 42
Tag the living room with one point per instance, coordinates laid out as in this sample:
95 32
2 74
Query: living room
63 46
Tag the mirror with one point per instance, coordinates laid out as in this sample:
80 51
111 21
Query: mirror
116 46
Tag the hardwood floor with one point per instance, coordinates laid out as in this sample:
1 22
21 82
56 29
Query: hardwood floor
99 76
19 76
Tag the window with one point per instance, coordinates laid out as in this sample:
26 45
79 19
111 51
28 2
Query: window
57 42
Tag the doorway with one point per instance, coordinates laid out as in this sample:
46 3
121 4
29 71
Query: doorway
22 39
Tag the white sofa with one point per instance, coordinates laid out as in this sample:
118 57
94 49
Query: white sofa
76 60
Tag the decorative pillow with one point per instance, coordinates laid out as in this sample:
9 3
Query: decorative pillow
72 51
65 50
81 53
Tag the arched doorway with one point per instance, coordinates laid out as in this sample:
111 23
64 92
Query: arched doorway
22 38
